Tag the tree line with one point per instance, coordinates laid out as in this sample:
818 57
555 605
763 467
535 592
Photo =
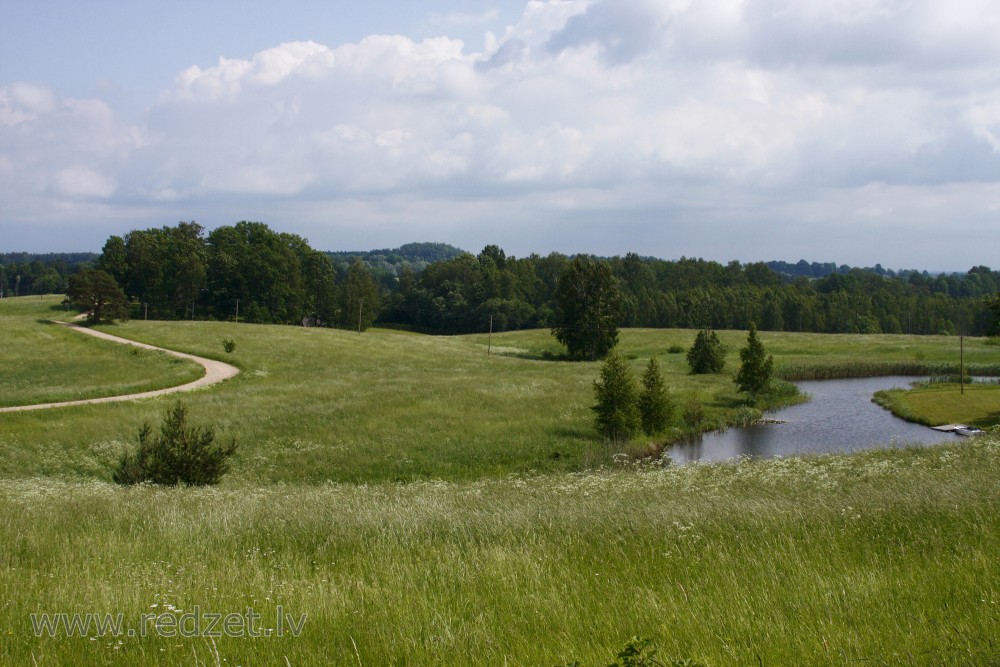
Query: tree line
253 273
472 293
245 272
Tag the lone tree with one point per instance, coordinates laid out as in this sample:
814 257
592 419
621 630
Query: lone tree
654 401
589 308
617 407
180 454
98 293
754 376
707 355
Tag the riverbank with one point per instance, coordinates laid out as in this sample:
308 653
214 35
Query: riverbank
933 404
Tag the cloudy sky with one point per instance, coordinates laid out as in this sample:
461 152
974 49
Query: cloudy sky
854 131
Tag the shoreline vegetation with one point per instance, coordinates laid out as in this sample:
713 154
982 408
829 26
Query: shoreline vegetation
417 501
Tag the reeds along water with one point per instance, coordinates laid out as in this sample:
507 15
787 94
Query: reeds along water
857 369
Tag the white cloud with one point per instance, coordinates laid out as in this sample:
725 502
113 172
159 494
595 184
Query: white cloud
637 113
83 183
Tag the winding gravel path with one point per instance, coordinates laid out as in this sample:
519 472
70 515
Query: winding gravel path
215 372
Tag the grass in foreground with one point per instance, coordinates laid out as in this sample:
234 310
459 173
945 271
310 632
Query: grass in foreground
880 558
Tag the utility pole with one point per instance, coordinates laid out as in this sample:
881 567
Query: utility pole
145 312
360 304
961 364
489 341
237 311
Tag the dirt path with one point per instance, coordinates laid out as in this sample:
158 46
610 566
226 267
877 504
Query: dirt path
215 372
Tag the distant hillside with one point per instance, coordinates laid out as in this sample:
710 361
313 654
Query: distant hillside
416 256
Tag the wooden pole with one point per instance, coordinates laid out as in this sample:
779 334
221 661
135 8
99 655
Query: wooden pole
237 311
489 341
961 364
360 303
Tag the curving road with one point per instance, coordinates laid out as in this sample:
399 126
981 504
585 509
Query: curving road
215 372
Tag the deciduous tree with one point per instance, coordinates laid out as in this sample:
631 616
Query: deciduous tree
589 308
98 293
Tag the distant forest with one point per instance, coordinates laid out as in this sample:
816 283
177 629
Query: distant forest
253 273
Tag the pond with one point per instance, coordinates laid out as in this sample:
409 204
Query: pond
839 418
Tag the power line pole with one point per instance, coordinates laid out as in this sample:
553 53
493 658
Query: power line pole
961 364
489 341
360 304
237 311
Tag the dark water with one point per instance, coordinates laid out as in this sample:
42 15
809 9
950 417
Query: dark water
839 418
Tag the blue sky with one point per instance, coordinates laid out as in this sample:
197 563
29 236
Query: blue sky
857 131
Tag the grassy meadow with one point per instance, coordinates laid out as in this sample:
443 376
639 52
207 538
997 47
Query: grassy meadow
421 502
45 362
934 404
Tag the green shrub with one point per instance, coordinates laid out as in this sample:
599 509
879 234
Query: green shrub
707 355
180 454
694 413
229 345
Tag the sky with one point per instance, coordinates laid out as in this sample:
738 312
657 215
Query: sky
852 131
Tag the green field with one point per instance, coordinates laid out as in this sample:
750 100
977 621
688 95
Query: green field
937 404
45 362
421 502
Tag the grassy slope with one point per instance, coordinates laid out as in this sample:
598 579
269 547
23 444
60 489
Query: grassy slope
44 362
885 557
317 404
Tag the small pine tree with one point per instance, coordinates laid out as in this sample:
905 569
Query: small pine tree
707 355
181 454
654 400
617 400
754 376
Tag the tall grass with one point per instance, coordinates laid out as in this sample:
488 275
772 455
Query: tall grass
884 558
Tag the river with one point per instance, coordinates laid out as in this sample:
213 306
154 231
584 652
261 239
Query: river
839 418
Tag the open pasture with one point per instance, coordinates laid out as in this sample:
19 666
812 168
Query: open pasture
411 500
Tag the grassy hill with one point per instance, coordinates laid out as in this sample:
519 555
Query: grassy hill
494 551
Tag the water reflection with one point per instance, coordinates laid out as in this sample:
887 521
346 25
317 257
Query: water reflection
839 418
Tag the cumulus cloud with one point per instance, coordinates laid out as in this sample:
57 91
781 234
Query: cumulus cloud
647 114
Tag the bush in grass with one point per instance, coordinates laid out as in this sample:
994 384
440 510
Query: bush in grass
180 454
617 396
707 355
694 413
229 345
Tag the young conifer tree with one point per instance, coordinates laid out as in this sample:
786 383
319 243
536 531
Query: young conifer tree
754 376
655 406
617 396
707 355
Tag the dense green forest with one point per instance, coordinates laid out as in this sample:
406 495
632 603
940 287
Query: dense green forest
256 274
23 273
